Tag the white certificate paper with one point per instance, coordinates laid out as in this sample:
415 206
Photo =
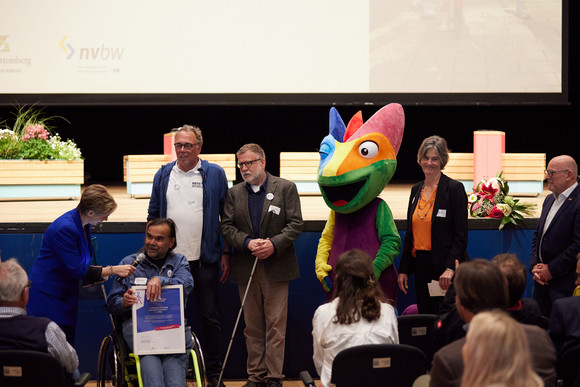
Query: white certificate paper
158 326
435 290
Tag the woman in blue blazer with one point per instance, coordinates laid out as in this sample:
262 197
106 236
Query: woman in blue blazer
436 227
64 260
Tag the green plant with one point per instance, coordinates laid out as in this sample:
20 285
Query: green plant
30 137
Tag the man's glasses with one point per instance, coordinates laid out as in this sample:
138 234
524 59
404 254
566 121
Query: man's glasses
550 173
247 164
187 146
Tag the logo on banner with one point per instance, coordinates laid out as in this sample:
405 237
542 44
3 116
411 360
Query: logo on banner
4 47
101 52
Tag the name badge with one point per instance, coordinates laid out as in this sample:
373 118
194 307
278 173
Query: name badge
141 281
442 213
274 209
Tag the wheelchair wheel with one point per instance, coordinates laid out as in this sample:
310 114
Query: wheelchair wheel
110 366
196 366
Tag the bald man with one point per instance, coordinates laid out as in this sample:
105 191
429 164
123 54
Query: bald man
556 241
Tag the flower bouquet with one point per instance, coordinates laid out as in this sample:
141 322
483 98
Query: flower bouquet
31 137
491 199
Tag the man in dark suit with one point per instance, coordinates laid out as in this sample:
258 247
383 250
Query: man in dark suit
480 286
564 322
556 241
262 219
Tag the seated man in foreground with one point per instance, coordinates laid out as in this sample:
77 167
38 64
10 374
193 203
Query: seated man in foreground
160 268
23 332
481 286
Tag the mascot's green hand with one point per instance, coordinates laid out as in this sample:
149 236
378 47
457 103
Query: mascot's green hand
326 284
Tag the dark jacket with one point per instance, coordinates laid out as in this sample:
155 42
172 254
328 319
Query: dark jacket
560 242
448 227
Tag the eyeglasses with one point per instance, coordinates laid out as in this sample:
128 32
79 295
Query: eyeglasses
28 283
187 146
550 173
247 164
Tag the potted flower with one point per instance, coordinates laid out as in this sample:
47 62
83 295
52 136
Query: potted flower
491 199
33 156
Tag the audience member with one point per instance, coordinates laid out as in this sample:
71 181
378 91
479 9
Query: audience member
524 310
556 241
262 219
436 227
565 320
449 325
192 192
23 332
161 267
358 314
481 286
65 254
496 353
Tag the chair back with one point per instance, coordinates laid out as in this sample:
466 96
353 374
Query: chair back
30 368
417 330
375 365
568 367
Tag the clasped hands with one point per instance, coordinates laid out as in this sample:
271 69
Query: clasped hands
541 273
261 248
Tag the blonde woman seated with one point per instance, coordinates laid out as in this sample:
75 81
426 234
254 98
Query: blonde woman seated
496 353
358 315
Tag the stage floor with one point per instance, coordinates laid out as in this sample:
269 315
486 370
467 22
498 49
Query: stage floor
135 210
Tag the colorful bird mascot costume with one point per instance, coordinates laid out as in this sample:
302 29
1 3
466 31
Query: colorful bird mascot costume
356 163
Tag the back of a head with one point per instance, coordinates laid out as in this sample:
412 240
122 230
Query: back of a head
496 352
356 287
13 280
480 285
515 273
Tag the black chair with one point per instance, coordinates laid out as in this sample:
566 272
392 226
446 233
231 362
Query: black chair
568 367
417 330
32 368
378 365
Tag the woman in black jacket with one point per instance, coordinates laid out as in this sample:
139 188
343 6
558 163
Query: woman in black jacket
436 227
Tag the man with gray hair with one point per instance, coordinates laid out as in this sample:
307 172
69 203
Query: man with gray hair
23 332
192 192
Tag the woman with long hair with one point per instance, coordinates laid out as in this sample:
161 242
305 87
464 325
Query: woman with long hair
359 313
496 353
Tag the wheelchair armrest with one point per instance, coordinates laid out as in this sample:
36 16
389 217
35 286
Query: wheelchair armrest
83 379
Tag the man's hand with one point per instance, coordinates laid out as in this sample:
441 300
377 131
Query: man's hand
541 273
262 248
225 266
129 298
154 289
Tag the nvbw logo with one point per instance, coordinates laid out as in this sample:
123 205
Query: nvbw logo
101 52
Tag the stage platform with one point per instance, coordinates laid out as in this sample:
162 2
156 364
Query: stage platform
135 210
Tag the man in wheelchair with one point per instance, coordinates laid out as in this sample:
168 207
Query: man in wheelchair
160 268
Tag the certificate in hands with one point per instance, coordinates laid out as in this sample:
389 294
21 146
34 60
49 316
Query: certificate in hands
158 325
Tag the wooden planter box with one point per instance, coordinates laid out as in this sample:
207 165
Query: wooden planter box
31 179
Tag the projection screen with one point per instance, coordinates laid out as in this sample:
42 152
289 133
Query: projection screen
258 51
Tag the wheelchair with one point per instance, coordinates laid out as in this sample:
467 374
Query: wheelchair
117 367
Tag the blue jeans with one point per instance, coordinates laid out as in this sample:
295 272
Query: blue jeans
205 280
161 370
545 296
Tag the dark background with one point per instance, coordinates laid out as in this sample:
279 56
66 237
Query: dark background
108 131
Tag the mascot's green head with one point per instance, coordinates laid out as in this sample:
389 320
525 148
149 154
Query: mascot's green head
357 162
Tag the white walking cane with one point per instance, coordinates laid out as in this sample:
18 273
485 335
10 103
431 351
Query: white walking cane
237 321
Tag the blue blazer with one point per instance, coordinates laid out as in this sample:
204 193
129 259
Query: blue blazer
560 242
63 261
